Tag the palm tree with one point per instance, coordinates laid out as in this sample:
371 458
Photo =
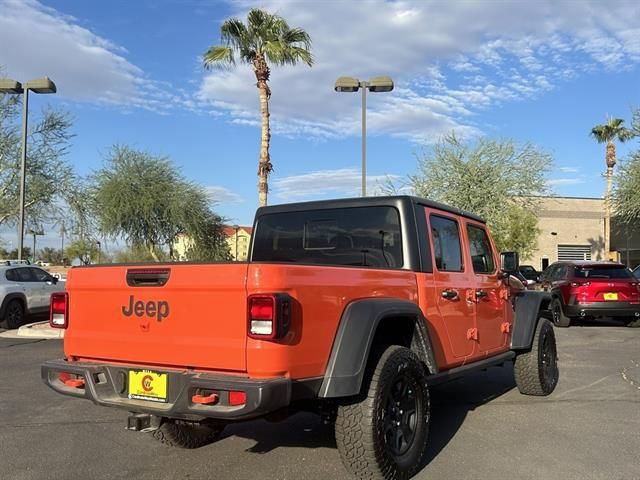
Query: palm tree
265 39
608 133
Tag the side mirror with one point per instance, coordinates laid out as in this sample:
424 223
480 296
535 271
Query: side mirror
509 261
53 280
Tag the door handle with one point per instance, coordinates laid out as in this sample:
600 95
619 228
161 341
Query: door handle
480 294
449 294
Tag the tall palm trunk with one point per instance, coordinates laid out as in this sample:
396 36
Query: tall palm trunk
611 162
262 72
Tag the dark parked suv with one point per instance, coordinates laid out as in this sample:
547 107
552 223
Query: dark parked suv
592 289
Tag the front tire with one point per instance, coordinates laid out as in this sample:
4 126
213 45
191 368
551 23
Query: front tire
384 434
536 371
13 315
183 434
559 318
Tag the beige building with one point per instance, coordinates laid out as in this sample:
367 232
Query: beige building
572 228
238 238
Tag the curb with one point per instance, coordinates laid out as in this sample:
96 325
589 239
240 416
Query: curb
40 330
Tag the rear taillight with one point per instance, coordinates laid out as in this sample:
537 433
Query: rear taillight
59 310
269 316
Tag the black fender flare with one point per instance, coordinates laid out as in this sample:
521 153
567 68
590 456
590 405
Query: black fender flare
352 344
12 296
528 306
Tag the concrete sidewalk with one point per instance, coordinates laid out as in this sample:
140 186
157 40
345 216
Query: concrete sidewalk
40 330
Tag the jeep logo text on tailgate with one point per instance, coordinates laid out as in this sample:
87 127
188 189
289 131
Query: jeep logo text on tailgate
157 310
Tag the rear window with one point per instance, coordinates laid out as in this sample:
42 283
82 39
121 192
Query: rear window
359 236
604 272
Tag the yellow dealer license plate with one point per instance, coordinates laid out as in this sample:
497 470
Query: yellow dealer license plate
148 385
610 296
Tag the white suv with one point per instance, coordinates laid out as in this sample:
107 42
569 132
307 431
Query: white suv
24 290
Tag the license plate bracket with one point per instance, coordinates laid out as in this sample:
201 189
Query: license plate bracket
148 385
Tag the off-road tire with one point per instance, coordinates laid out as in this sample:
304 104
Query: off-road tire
178 433
13 315
633 322
536 371
557 314
394 387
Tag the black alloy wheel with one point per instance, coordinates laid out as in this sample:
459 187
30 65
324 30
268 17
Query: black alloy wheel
399 415
13 315
558 316
549 360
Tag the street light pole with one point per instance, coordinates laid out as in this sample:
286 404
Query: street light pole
23 174
364 138
40 85
376 84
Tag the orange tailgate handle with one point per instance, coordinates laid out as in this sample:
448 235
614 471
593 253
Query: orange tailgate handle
74 382
205 399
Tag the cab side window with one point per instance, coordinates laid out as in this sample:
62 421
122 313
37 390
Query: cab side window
445 237
481 253
40 275
560 273
11 275
24 275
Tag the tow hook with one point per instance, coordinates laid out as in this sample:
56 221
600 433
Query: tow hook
143 422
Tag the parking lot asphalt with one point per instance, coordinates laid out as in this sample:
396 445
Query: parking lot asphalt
482 428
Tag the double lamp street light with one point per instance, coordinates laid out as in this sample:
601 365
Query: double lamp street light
40 85
352 85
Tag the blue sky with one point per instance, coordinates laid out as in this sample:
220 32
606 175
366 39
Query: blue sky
130 72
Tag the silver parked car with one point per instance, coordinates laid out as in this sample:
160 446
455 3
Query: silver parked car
24 290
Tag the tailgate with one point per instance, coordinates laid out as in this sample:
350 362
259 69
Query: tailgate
176 315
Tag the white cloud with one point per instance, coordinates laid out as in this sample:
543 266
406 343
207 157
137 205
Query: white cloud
449 60
220 194
568 169
564 181
39 41
344 182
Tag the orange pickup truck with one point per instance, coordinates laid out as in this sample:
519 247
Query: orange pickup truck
352 308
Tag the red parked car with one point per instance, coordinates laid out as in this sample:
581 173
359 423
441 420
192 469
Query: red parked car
585 289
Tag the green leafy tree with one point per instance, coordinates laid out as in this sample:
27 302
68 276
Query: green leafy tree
48 176
51 255
265 39
496 179
609 133
82 249
146 201
626 194
139 254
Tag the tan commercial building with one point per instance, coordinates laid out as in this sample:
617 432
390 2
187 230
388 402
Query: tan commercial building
572 228
238 239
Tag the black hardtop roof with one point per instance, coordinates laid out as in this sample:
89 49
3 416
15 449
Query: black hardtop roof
395 200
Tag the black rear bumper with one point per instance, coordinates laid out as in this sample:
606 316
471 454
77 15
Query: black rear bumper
603 309
107 385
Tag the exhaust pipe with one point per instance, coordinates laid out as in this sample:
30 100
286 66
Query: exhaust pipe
637 314
582 314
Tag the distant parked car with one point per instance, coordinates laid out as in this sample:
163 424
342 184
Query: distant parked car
529 272
24 290
529 284
582 289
